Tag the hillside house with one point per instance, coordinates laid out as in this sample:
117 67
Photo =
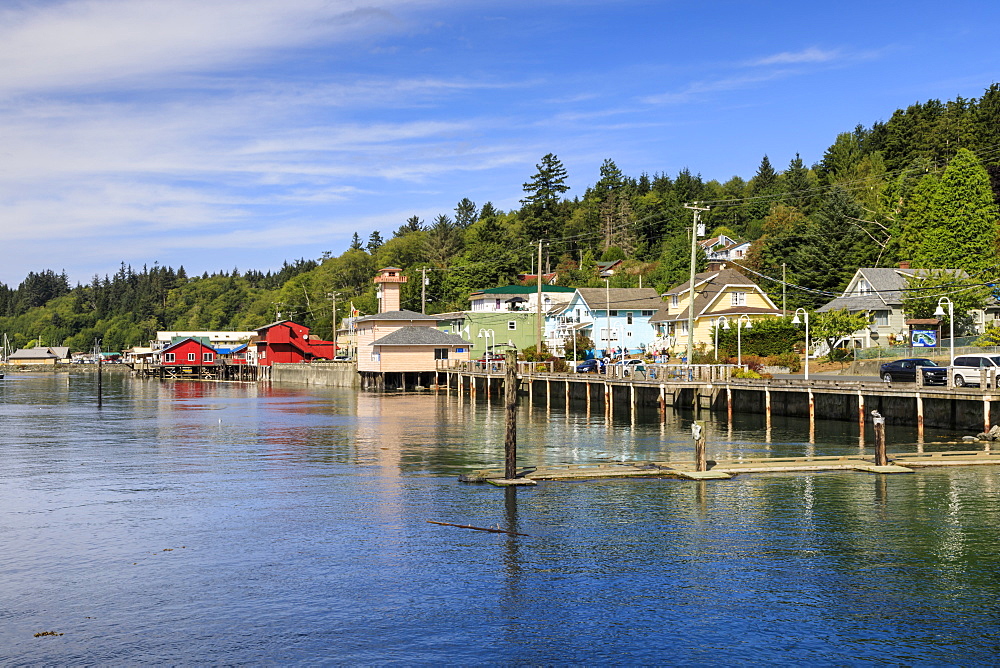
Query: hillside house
721 295
724 248
878 292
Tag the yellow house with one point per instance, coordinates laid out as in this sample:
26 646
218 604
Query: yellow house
720 295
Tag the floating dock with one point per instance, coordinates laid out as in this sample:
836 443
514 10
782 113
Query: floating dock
901 463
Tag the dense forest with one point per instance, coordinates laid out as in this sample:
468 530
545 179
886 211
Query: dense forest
922 186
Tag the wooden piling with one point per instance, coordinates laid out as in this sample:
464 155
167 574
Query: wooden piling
698 433
510 417
920 417
729 404
100 379
880 457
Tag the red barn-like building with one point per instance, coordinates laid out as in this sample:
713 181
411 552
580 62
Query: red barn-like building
285 341
188 352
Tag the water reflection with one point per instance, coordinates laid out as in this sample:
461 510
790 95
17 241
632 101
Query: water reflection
302 515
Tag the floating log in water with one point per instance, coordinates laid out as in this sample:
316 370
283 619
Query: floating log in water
469 526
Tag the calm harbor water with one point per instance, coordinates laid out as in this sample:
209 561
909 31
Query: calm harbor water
204 523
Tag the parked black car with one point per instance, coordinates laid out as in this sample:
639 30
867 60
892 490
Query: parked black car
590 365
905 371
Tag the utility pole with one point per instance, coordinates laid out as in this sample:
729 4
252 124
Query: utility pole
423 290
538 321
694 256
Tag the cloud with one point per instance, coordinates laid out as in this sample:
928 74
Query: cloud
810 55
696 89
106 43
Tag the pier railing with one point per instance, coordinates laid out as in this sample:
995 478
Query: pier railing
699 373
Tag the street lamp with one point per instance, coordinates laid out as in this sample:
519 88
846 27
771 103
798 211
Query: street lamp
951 324
796 321
725 325
487 333
739 338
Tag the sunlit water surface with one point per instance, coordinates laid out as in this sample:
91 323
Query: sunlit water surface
204 523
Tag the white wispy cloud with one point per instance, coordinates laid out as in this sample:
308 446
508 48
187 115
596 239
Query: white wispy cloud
809 55
113 42
696 89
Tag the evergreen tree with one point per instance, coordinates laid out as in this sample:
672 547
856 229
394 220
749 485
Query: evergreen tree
797 184
413 224
966 220
544 192
356 242
374 242
465 213
547 185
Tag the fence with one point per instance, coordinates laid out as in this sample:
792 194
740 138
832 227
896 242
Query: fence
659 372
963 346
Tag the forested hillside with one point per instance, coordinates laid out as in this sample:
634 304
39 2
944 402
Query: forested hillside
921 186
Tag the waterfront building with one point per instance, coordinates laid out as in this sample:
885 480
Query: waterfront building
189 351
399 347
288 342
613 318
37 355
721 295
213 338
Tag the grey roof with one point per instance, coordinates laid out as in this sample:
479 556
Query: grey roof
420 336
32 354
61 351
621 298
888 285
397 315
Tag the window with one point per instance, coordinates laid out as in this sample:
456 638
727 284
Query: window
497 307
628 318
440 353
864 287
207 357
882 318
674 300
512 325
738 298
647 313
614 313
192 357
169 358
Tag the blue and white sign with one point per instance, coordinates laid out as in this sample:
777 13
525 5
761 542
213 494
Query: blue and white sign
923 338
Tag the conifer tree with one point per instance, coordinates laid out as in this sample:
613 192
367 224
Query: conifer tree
965 227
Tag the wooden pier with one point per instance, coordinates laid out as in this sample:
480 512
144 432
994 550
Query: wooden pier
247 373
969 410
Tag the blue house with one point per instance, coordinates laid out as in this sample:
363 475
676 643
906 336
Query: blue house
610 317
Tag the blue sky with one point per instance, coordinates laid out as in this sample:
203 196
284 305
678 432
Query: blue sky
242 133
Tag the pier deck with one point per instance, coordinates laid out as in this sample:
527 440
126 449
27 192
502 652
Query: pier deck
901 463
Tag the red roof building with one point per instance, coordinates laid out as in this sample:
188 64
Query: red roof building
188 352
287 342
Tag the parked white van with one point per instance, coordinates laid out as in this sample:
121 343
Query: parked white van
968 369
